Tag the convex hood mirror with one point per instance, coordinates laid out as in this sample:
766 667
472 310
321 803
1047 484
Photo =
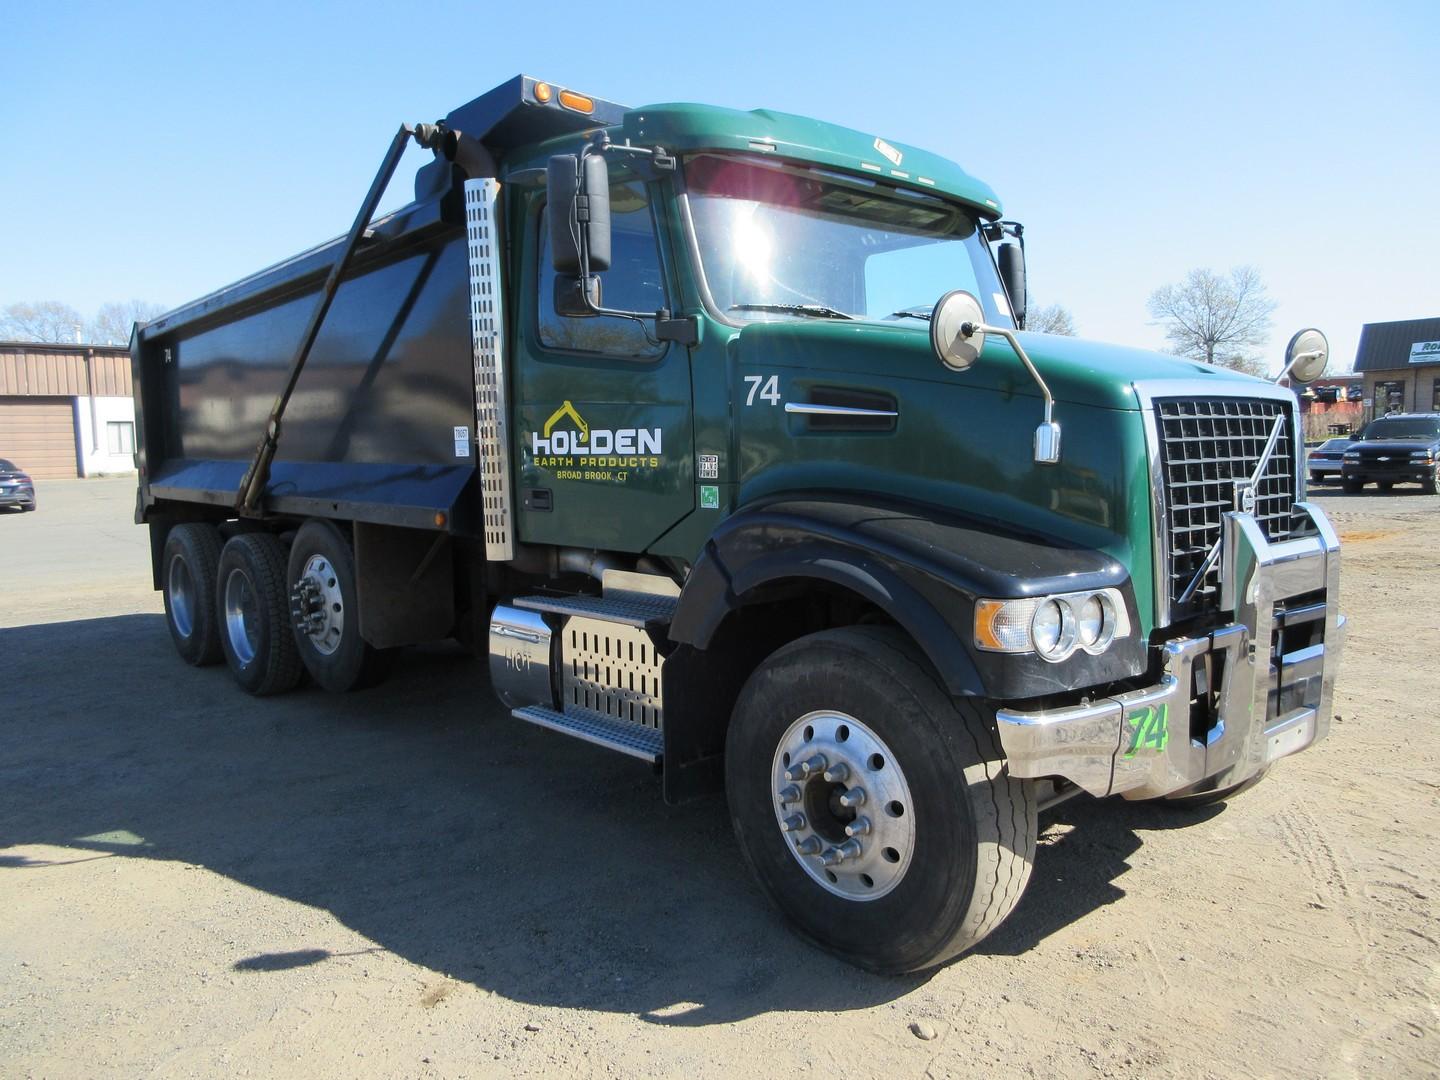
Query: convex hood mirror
1306 356
954 330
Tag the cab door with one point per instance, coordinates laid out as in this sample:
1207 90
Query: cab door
602 416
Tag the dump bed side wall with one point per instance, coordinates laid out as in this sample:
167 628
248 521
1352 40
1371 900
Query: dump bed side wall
369 434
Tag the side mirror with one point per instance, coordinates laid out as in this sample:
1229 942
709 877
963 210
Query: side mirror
578 193
1305 357
1012 273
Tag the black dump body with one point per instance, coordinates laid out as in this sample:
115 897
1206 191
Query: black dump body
380 427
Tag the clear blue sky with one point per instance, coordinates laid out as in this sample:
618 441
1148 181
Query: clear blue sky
161 150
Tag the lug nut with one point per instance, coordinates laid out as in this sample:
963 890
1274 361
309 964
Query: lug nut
837 773
803 770
793 822
788 794
832 857
851 849
809 846
859 827
854 797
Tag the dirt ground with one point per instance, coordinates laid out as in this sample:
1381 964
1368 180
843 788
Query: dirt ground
408 883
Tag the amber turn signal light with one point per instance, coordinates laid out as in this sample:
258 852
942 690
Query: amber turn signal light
578 102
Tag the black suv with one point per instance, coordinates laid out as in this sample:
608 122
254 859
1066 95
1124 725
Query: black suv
1399 449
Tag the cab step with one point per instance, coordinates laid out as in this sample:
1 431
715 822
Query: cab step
631 609
636 740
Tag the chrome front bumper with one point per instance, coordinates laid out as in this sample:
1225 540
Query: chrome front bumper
1140 744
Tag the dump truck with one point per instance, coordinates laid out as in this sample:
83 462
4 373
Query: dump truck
720 433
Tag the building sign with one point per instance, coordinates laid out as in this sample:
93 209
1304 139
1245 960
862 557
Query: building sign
1425 352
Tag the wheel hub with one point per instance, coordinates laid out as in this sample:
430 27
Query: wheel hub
843 805
316 607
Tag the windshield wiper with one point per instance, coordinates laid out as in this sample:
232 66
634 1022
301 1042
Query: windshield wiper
909 315
814 311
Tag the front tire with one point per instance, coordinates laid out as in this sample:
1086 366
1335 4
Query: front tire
253 609
323 599
1352 487
187 576
938 849
1430 483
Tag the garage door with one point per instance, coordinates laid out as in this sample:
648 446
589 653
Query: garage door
38 434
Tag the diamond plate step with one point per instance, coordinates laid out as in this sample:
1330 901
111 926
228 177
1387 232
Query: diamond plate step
633 610
632 739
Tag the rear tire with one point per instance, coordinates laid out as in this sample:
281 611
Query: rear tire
187 578
321 574
253 613
947 877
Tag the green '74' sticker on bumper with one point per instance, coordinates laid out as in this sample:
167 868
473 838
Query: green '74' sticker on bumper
1151 730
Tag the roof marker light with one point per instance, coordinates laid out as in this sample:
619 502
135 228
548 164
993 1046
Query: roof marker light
577 102
871 168
925 180
543 93
756 144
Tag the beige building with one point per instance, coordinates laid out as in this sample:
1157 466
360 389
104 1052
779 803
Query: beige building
1400 363
66 410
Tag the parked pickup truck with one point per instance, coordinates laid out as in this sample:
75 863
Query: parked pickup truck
723 431
1399 449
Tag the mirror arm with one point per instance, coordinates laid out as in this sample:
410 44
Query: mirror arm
1047 435
970 329
1296 359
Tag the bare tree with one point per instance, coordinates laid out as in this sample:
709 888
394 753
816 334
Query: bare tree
111 325
43 320
1053 319
1220 320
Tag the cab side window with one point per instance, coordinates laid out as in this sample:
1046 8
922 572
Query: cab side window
634 281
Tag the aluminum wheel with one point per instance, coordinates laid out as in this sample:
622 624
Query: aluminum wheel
241 615
843 804
181 587
317 606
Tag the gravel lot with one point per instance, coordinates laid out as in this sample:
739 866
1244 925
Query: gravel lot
406 882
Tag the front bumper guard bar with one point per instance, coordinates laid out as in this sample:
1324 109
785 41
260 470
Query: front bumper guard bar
1139 744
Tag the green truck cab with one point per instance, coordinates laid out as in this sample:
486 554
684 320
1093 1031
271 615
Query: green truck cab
756 477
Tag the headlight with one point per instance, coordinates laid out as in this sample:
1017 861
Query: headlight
1423 456
1352 455
1052 627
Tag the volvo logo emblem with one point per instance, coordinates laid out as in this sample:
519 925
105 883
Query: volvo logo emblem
1244 497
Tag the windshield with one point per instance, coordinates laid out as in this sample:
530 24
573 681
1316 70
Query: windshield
1413 428
780 241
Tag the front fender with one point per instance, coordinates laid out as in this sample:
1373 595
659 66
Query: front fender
925 569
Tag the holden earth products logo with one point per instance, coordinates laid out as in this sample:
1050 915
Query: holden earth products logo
576 451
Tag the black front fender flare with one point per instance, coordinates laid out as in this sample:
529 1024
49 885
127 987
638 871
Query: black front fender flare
924 570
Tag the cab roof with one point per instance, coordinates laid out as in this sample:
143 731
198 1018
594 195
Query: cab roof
688 127
524 111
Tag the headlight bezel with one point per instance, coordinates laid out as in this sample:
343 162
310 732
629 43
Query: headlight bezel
1011 626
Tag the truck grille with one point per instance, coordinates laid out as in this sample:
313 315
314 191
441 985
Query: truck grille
1206 445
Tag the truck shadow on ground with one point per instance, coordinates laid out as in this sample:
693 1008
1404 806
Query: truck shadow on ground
423 817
